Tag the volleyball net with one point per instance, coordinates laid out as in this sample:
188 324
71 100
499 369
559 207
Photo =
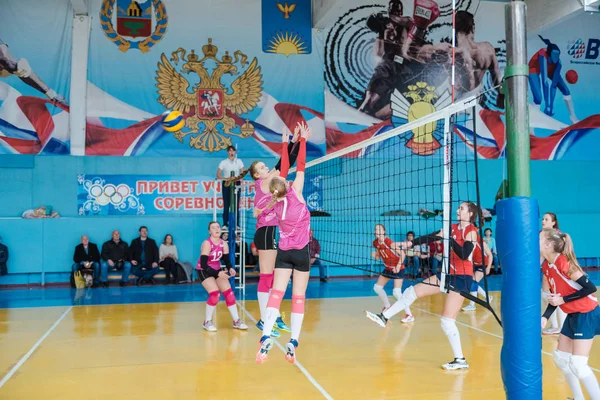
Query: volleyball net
411 180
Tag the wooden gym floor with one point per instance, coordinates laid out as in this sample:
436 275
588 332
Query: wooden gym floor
159 350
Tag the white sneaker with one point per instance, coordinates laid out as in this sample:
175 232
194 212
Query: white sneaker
407 319
551 331
209 326
379 319
240 325
470 307
458 363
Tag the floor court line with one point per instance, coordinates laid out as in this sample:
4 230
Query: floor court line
34 348
297 364
486 332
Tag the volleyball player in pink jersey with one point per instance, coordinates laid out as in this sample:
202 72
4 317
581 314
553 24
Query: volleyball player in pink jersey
573 292
215 278
463 238
292 253
266 225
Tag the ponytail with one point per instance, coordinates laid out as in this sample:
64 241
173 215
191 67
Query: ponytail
279 190
569 252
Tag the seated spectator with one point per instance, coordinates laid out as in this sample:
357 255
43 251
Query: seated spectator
115 255
491 242
168 259
242 247
3 258
254 252
144 257
87 259
315 255
424 257
412 256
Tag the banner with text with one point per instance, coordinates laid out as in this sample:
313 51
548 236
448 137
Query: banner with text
153 194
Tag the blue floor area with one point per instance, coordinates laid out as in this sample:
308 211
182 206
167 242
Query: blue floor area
38 297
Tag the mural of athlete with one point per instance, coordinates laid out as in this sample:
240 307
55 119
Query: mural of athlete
543 66
399 38
21 68
473 59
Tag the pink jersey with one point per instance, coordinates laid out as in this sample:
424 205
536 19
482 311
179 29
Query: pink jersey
267 217
294 222
215 254
558 278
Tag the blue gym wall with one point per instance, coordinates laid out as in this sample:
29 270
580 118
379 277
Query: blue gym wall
47 245
568 188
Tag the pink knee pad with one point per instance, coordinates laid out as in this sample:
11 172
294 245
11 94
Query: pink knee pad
298 304
213 298
275 299
229 297
265 282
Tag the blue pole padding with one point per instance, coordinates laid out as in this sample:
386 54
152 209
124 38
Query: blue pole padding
517 235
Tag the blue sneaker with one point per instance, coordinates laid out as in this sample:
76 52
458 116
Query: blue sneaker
260 325
291 347
281 325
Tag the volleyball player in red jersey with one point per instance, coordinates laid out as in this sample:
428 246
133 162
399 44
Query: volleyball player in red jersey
215 278
266 225
557 320
480 267
572 291
463 239
392 256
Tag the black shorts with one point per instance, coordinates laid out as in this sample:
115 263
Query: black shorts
293 259
264 238
204 274
479 268
388 273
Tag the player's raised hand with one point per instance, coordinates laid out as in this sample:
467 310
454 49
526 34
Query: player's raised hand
285 135
296 134
305 131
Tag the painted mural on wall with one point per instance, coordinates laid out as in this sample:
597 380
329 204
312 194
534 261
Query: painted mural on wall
35 61
235 82
389 64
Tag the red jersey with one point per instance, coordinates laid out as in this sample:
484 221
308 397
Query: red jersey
477 256
534 64
458 266
388 256
436 248
561 283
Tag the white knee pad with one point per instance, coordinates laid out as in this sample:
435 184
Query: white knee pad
449 326
378 289
23 68
561 359
397 293
579 366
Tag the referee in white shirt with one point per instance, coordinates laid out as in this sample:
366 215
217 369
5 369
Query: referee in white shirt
226 167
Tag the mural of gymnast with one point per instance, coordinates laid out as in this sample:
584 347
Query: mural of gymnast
545 77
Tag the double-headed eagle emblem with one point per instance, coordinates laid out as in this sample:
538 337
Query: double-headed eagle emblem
209 103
